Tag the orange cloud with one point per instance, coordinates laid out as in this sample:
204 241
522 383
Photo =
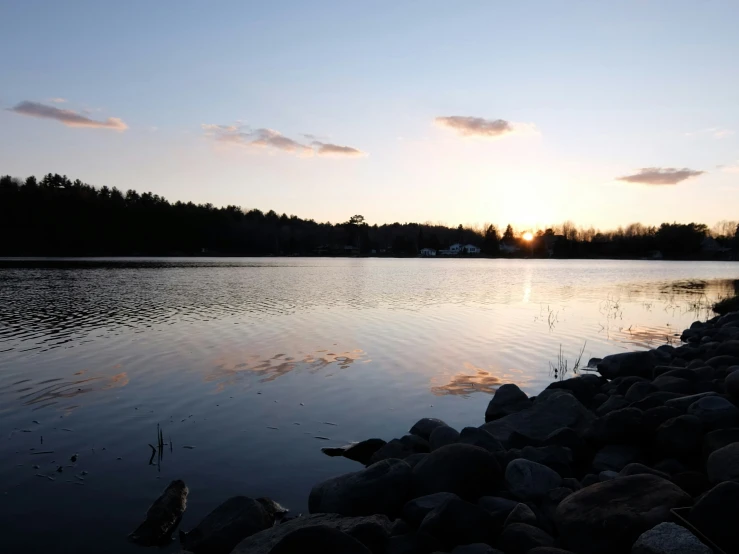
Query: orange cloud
468 126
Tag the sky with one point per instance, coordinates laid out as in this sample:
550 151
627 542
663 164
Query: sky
532 112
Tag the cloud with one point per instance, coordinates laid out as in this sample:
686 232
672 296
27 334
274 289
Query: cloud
729 168
661 176
57 100
69 118
468 126
715 132
269 138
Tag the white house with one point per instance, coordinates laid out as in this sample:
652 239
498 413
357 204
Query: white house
455 248
428 252
471 249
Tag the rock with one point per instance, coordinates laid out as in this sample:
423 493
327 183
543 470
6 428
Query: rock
716 513
529 480
723 464
458 522
679 436
321 538
262 542
732 384
719 362
619 426
226 526
415 510
590 479
499 508
682 373
477 548
163 516
401 448
638 391
465 470
694 483
544 417
615 457
479 437
715 412
424 427
615 402
382 488
548 550
519 538
684 403
728 348
443 435
607 475
671 466
567 438
359 452
508 399
627 364
414 459
571 483
674 384
669 538
641 469
558 458
521 514
597 401
655 400
583 388
411 543
654 417
623 384
608 517
718 439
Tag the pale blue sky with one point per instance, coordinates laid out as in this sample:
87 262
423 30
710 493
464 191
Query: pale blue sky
593 90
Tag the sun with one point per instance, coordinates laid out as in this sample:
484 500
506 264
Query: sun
528 236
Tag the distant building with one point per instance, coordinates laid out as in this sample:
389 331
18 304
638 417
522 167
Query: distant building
471 249
427 252
508 248
455 248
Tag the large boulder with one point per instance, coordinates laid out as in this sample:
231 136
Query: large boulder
382 488
614 402
415 510
400 448
716 514
479 437
508 399
723 464
520 538
321 538
264 541
715 412
443 435
465 470
627 364
423 427
545 416
669 538
528 480
615 457
608 517
458 522
226 526
679 436
583 388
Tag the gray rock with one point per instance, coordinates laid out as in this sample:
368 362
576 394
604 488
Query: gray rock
558 410
715 514
226 526
424 427
458 522
382 488
162 517
627 364
479 437
519 538
508 399
529 480
465 470
264 541
443 435
415 510
715 412
723 464
684 402
320 538
669 538
521 514
615 457
608 517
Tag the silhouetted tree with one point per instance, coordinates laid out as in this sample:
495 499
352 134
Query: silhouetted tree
491 242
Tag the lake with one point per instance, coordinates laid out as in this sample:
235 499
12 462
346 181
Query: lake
250 366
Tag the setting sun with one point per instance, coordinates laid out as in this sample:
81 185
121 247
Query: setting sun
528 236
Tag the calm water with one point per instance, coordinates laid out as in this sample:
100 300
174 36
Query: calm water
258 363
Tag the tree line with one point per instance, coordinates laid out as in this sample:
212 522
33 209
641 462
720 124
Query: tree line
55 216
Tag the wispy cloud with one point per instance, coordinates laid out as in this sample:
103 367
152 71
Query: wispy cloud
69 118
734 168
661 175
269 138
468 126
57 100
715 132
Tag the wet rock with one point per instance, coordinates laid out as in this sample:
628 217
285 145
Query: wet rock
684 403
679 436
262 542
415 510
718 439
626 364
443 435
723 464
508 399
424 427
529 480
715 412
521 514
669 538
231 522
674 384
382 488
615 402
557 411
458 522
401 448
465 470
320 538
519 538
163 516
608 517
360 452
479 437
715 515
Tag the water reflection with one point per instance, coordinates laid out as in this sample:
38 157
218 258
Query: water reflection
475 379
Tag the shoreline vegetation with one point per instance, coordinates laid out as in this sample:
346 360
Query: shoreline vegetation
637 454
58 217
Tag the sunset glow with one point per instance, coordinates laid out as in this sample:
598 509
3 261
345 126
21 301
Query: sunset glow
528 236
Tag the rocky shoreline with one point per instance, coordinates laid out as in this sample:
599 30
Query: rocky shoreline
640 457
